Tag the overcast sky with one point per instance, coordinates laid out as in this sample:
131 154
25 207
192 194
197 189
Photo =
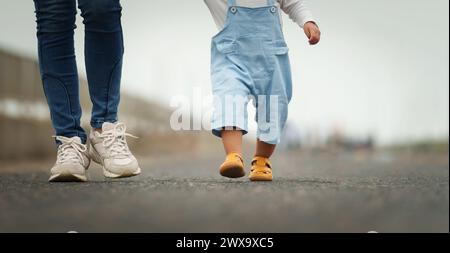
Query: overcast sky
382 66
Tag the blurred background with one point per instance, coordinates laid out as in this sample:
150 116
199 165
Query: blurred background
379 79
365 148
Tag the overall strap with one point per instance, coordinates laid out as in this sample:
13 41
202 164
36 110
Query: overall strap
231 3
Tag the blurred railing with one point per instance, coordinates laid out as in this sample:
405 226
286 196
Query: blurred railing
25 128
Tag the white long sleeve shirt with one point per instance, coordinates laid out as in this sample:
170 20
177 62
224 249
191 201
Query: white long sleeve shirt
296 9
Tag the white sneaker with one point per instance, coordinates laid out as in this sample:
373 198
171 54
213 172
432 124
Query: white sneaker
110 149
72 161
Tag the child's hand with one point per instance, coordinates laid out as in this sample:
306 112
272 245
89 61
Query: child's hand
312 31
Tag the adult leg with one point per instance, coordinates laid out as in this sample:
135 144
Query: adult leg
103 52
55 30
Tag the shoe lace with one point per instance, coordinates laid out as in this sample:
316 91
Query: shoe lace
70 151
115 142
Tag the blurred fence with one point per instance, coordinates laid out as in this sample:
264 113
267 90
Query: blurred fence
25 128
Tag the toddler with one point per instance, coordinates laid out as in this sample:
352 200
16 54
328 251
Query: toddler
250 62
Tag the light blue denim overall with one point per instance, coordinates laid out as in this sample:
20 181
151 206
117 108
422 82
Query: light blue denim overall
250 62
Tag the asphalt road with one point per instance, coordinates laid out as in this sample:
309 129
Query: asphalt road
311 193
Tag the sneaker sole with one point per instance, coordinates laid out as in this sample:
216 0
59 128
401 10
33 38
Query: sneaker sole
67 177
96 158
109 174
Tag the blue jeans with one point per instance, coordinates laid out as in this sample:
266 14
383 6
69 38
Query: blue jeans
103 56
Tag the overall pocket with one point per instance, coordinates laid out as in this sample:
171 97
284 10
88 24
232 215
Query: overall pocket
277 47
225 45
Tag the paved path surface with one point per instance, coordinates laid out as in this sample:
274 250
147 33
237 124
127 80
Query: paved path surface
311 193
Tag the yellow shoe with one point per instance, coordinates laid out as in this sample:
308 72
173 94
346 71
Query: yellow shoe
261 169
233 167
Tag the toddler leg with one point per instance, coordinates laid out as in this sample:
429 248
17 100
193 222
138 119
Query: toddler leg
261 166
233 167
232 141
264 149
